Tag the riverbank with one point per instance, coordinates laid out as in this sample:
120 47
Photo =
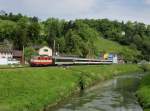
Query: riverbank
143 92
32 89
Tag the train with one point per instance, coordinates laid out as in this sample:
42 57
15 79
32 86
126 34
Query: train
41 61
58 60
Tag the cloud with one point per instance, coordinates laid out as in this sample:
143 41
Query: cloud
58 8
72 9
147 2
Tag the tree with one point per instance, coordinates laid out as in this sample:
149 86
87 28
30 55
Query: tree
61 44
53 29
29 52
7 30
21 34
73 43
33 31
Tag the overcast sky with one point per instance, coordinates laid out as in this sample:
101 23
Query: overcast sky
135 10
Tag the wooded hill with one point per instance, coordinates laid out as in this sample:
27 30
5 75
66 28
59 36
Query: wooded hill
83 37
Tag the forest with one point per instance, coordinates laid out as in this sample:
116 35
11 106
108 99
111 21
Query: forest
74 37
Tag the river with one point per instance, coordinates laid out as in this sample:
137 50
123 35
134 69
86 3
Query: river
117 94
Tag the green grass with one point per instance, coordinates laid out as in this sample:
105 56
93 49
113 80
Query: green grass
31 89
103 72
104 45
144 91
12 66
110 46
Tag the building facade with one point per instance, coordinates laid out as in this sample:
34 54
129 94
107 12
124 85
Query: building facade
5 55
45 51
9 56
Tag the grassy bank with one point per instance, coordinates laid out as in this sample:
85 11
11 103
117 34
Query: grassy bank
144 91
31 89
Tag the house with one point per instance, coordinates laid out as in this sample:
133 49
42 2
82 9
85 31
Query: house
116 59
45 51
9 56
18 55
5 54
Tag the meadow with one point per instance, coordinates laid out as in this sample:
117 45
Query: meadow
108 46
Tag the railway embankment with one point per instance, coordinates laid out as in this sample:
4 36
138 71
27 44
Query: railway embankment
143 92
32 89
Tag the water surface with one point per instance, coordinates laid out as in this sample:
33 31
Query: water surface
117 94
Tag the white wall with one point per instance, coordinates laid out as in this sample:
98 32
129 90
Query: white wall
7 58
3 61
115 59
6 61
6 55
43 52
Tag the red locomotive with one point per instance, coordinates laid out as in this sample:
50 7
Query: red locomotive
41 61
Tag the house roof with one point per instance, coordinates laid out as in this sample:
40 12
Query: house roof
17 53
5 50
37 47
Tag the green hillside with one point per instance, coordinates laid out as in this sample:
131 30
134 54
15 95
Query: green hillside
104 45
77 37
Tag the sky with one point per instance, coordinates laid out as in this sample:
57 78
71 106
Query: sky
133 10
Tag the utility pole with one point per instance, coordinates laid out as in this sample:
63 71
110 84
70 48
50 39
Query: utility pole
54 48
58 49
23 56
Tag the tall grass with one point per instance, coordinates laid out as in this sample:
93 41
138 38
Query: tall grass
143 92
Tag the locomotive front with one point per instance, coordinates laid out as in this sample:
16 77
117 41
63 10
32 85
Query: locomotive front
41 61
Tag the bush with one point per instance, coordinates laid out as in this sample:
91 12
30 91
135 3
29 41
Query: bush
145 67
